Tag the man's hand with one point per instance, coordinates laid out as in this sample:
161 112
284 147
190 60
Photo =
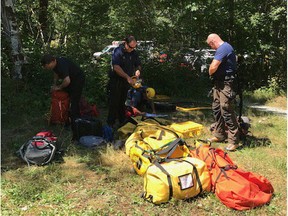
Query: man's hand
55 88
137 73
130 81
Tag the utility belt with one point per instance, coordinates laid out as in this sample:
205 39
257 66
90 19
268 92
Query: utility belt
222 85
228 79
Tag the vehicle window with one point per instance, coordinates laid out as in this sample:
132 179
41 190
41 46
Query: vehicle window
105 49
110 49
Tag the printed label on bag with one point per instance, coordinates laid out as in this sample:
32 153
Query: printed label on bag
186 181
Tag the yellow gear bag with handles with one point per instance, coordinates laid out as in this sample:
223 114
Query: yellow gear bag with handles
178 178
150 141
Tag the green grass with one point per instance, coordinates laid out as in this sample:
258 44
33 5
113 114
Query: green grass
100 182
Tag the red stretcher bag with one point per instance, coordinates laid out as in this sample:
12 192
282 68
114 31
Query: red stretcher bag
235 188
59 111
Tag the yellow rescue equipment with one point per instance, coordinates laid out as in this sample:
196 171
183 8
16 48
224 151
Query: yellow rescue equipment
184 109
149 139
137 83
151 142
181 179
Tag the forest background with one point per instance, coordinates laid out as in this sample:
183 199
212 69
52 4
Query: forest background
256 29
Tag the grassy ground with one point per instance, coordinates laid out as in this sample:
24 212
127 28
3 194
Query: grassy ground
100 182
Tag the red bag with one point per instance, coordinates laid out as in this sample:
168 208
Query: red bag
235 188
48 135
59 111
87 109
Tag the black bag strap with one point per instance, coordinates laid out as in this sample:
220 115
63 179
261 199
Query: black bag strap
171 148
168 178
197 175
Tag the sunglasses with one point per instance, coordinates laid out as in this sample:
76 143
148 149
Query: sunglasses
131 46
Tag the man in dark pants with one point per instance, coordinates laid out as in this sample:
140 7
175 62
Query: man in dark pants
125 64
222 70
73 80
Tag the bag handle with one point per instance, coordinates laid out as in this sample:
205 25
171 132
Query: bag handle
43 140
171 146
170 149
228 165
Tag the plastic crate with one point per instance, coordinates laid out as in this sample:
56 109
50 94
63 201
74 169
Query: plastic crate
188 129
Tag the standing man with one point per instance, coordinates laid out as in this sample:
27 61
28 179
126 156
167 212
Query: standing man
222 70
125 64
73 80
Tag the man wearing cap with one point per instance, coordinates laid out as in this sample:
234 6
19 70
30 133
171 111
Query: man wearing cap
125 64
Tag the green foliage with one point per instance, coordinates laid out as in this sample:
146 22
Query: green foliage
78 29
174 80
267 93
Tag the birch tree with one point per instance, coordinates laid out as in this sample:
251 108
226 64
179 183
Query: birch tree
11 33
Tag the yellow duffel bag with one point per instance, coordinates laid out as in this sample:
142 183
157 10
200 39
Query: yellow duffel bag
179 178
142 155
143 146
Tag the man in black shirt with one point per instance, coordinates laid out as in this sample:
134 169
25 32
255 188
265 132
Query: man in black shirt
72 77
125 64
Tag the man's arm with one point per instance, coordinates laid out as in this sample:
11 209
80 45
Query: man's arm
214 66
121 73
56 78
66 81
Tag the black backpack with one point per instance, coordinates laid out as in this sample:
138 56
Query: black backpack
40 150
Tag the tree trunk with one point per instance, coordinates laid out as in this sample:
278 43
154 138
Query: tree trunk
231 29
43 18
11 32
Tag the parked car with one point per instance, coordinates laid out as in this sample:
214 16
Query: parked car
198 59
145 45
107 50
145 49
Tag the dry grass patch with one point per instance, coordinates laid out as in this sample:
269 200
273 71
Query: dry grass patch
280 102
116 159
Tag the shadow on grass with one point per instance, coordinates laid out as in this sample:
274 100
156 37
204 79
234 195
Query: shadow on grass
251 141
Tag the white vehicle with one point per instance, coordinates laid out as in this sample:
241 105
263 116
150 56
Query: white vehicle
107 50
199 59
145 45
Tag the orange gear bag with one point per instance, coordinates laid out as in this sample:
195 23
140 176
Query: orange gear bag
235 188
59 110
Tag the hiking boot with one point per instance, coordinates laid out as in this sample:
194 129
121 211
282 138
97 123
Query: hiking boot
215 139
232 147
